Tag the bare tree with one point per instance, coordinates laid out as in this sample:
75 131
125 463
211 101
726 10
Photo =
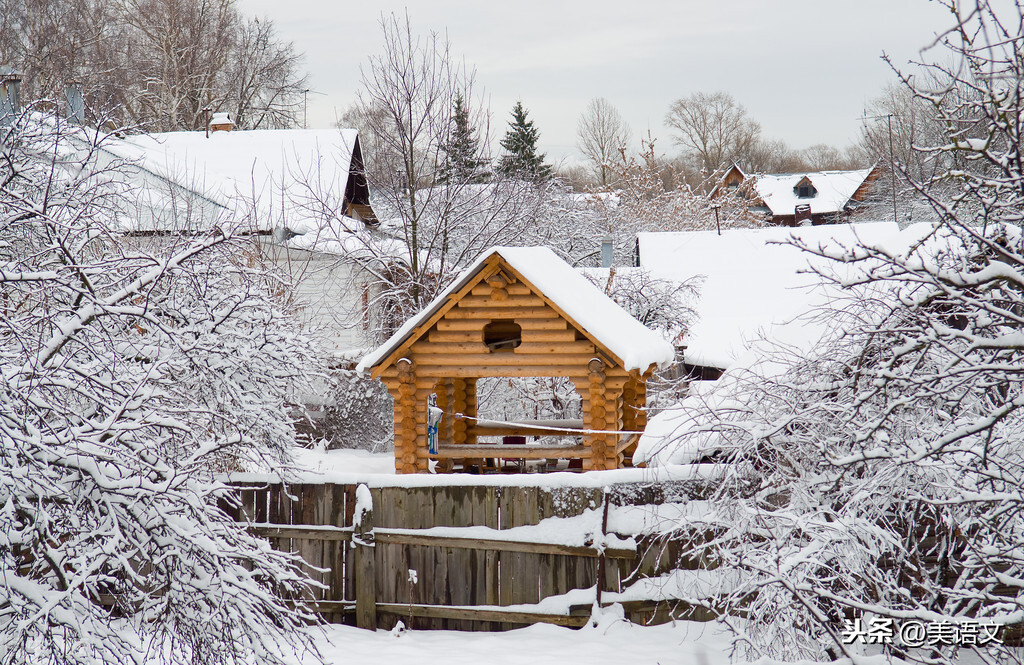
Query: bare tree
878 481
264 87
714 129
408 105
157 63
655 196
183 46
601 134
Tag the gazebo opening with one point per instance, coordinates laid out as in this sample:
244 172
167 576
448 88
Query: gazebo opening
527 411
503 335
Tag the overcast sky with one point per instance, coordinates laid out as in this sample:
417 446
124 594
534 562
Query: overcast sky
803 69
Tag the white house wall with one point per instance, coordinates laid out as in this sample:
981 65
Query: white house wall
329 291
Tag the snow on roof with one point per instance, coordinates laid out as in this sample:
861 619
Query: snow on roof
350 238
677 435
753 282
288 175
588 308
834 190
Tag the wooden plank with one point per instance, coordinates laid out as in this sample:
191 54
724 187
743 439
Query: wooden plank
304 532
476 372
482 314
500 359
452 325
366 574
557 348
626 442
519 431
535 326
454 336
391 537
478 614
248 507
430 348
517 303
546 576
512 451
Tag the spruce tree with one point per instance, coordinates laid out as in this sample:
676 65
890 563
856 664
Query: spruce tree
461 163
520 143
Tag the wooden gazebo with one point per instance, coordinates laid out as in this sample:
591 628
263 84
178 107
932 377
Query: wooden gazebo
518 311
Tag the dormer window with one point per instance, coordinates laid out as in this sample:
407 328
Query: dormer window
805 189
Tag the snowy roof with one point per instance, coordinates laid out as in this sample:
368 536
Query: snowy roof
834 189
586 307
288 175
753 283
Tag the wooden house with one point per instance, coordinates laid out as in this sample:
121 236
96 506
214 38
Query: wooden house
300 194
795 199
518 311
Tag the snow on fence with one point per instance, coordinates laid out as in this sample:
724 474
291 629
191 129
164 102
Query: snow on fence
485 557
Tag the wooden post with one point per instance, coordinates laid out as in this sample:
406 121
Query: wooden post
597 421
405 418
445 390
630 405
366 574
459 427
471 406
601 559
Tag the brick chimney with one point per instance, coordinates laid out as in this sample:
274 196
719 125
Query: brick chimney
802 215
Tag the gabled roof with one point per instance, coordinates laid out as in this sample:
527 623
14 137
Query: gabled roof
583 305
753 280
288 175
834 190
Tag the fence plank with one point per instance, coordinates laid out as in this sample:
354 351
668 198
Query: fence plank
366 574
488 614
467 578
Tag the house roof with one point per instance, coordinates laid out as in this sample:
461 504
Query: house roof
583 304
753 282
834 190
288 175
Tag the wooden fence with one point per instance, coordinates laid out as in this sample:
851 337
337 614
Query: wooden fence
471 573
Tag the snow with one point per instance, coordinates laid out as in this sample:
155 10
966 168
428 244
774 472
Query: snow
350 467
754 283
283 172
834 190
611 642
587 307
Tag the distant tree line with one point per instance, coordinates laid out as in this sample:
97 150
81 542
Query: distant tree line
155 63
712 131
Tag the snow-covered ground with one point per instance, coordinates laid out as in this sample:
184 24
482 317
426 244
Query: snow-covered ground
345 461
612 642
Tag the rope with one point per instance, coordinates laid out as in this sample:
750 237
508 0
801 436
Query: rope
560 430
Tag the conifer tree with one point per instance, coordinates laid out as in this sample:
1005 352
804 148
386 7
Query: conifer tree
520 143
461 163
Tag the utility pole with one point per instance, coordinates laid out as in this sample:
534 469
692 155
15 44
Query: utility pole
305 98
892 160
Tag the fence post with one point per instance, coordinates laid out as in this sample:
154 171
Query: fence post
365 573
601 558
